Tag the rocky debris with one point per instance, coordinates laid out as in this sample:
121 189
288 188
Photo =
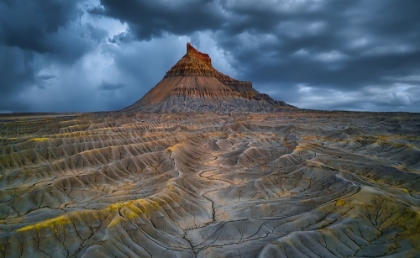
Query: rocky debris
193 82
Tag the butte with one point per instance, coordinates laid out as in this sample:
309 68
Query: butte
192 84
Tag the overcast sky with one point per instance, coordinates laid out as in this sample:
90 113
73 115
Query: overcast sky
99 55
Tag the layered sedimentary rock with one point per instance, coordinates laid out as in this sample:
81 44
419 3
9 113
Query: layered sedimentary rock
192 84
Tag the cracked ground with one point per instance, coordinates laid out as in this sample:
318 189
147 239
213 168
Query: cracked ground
296 184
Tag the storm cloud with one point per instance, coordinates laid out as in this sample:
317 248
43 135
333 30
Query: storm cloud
92 55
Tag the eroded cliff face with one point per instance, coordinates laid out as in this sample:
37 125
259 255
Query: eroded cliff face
193 63
194 52
197 64
192 84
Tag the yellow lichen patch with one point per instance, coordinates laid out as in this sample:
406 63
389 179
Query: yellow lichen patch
340 202
115 206
55 224
131 211
39 139
154 204
405 190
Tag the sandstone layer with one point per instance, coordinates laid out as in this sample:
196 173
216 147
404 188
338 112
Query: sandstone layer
296 184
192 84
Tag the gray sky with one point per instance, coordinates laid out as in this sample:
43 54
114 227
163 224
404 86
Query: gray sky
99 55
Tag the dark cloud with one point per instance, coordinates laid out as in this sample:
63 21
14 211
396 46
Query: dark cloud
47 27
341 44
323 54
148 19
36 35
29 24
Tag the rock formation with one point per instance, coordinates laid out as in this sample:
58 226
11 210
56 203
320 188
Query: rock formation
192 84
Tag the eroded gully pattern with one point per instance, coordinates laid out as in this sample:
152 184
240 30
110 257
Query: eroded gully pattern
203 185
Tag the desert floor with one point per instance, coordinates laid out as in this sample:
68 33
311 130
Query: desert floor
293 184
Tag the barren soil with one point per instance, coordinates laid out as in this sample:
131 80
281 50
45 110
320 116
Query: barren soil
294 184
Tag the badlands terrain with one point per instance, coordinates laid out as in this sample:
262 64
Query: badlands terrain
206 166
285 184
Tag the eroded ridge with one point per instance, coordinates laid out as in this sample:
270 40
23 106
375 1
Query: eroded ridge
314 184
